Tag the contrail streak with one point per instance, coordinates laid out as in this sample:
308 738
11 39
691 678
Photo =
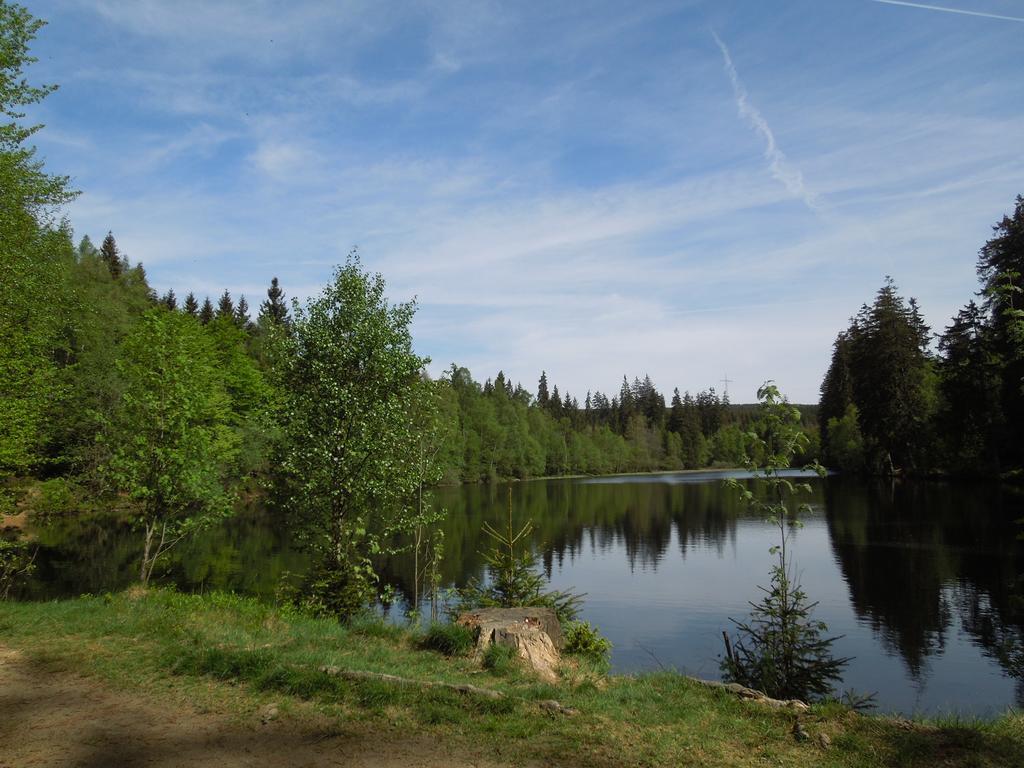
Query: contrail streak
951 10
780 167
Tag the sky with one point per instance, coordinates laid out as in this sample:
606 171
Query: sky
693 190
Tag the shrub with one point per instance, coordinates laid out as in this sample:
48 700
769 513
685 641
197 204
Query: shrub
449 639
581 639
56 496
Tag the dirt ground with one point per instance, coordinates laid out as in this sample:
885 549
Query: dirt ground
58 720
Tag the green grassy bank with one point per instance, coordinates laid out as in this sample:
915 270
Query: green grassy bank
235 655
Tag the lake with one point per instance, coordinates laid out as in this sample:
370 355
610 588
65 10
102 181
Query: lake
921 579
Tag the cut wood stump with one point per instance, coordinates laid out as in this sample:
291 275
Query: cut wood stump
533 633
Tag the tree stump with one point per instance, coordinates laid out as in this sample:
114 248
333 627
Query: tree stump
533 633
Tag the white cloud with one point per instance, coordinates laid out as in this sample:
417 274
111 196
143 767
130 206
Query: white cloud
286 162
946 9
784 171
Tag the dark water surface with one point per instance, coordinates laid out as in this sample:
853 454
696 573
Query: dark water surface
923 579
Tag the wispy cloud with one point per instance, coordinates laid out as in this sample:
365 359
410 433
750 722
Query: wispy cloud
781 168
946 9
561 187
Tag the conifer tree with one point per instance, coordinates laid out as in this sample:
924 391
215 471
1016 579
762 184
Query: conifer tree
890 370
836 389
781 649
191 306
709 407
136 276
225 307
274 308
1002 257
86 248
970 378
543 396
112 256
169 300
1001 271
241 315
694 445
675 418
206 314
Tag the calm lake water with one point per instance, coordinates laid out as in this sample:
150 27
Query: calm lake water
922 579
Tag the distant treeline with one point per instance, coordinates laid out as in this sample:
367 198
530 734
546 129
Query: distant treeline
891 403
98 300
500 430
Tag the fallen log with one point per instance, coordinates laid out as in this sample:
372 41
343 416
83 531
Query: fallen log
548 705
752 695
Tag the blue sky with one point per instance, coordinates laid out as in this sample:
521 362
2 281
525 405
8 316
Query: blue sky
685 189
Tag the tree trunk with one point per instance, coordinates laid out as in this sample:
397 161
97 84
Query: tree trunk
144 571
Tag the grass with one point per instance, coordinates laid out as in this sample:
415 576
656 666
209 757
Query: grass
449 639
231 654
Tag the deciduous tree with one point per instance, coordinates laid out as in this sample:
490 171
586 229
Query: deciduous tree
169 439
351 455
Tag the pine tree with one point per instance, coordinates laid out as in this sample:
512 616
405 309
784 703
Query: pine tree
136 276
169 300
694 445
206 314
555 404
225 307
625 407
1001 257
651 402
86 248
191 306
241 315
675 417
781 649
1001 271
274 308
836 389
970 379
890 370
543 396
709 407
111 256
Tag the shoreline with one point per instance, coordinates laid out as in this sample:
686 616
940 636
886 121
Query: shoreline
230 657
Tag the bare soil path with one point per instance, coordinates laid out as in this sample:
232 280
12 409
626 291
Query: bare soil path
58 719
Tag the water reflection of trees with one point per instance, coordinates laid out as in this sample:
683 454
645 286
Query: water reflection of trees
918 555
248 553
572 518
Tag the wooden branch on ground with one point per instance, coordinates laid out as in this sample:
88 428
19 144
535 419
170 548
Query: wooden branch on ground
751 695
464 688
